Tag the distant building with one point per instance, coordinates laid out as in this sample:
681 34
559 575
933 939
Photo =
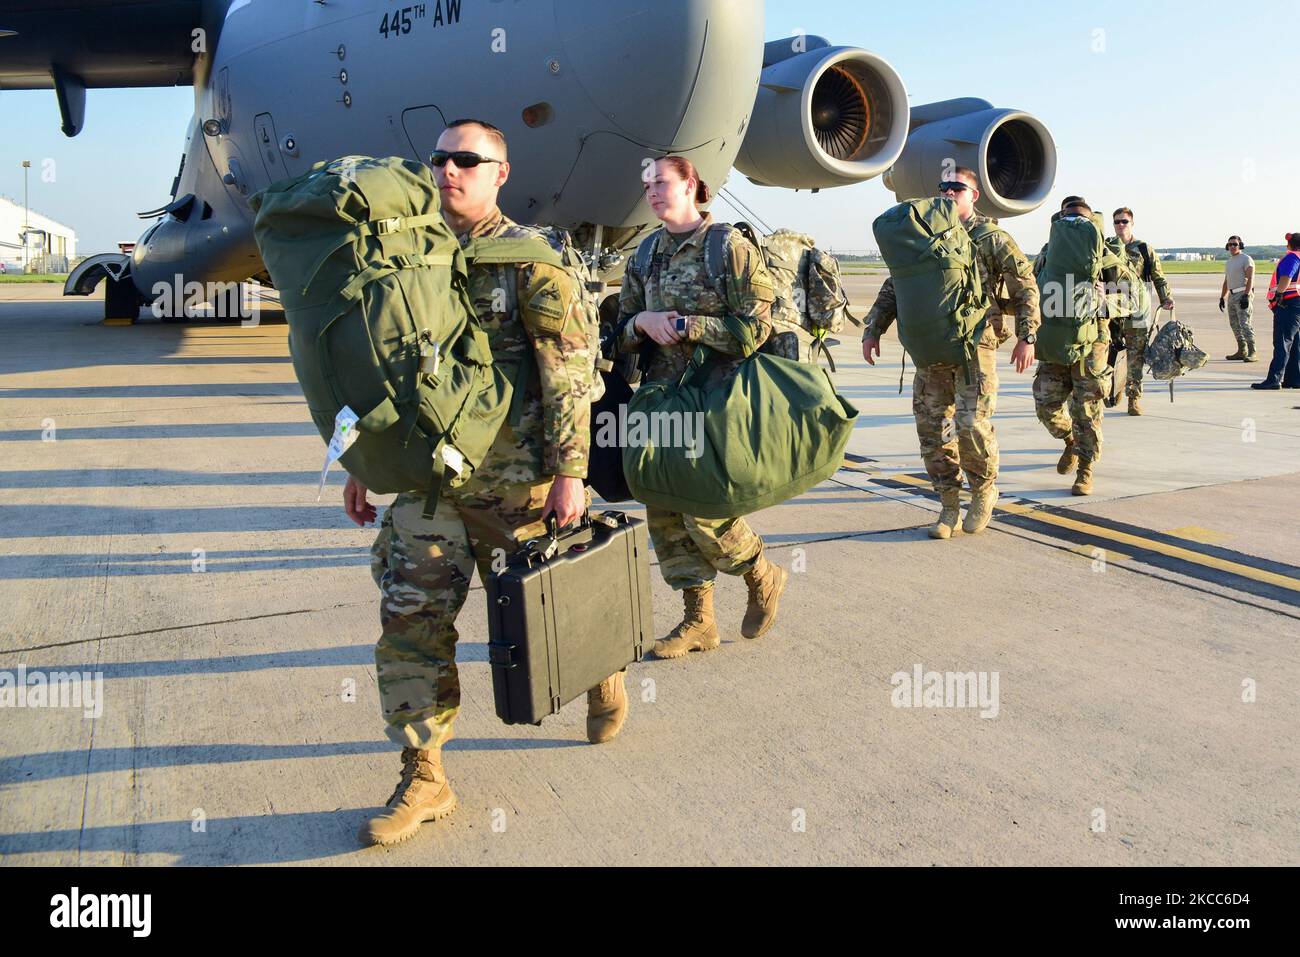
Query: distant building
50 245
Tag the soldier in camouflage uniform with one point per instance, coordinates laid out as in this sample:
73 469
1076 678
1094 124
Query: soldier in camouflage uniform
665 315
954 419
1069 399
1137 330
424 566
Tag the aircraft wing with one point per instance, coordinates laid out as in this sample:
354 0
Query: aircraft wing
74 45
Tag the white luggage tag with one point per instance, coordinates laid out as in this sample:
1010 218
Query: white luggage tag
345 433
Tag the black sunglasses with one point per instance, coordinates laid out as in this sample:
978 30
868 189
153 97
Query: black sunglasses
1121 222
463 159
1234 245
955 187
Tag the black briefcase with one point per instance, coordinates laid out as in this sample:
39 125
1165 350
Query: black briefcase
566 613
1118 358
605 459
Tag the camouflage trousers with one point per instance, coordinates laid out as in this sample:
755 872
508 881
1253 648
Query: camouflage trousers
423 568
1081 389
1135 344
692 551
954 421
1242 327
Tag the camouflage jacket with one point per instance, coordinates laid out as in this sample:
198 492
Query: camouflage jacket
554 430
1007 278
1147 264
678 281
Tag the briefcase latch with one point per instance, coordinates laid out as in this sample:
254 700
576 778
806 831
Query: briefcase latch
503 655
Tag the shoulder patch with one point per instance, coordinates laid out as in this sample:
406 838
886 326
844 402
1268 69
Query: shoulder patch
547 307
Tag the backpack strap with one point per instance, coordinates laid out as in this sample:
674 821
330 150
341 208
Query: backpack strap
715 256
380 269
983 230
511 251
644 256
375 227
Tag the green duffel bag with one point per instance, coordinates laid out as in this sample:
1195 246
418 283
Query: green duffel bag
765 435
398 375
942 305
1074 304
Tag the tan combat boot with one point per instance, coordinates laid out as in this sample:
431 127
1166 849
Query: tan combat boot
980 511
766 581
1134 407
946 526
1251 356
1069 460
1236 355
422 795
1083 481
607 708
697 630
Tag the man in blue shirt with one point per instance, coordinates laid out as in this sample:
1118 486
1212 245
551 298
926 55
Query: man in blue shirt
1284 372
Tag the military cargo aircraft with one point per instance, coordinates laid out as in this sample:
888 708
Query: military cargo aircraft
585 89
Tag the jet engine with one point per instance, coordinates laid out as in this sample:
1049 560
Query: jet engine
824 116
1012 152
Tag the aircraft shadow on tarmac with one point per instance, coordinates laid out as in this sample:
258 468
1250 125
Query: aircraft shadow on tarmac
271 838
467 652
206 430
56 566
178 390
146 478
53 765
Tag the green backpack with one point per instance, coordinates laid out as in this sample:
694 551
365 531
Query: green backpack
373 284
931 260
1074 307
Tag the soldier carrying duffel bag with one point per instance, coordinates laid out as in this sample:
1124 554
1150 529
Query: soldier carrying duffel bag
957 282
751 430
1075 272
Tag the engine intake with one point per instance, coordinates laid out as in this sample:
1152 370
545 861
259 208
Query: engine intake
1012 151
830 116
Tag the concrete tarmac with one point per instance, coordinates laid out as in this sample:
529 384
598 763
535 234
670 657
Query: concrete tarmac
159 526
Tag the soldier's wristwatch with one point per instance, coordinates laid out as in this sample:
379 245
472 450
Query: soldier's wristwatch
1030 339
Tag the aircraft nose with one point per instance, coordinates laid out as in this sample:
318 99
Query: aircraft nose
664 72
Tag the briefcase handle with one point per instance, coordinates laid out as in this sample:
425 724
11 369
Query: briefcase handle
532 549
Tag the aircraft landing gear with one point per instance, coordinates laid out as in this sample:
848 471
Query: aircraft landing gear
122 302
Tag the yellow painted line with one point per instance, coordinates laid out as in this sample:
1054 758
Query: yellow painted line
1135 541
1194 533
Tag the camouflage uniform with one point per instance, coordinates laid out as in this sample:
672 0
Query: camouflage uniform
1137 336
424 566
692 550
954 420
1081 387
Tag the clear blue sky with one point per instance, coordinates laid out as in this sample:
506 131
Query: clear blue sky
1174 118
